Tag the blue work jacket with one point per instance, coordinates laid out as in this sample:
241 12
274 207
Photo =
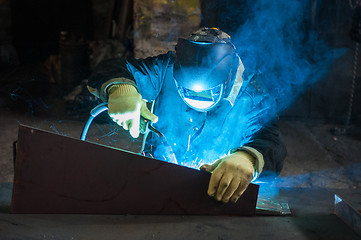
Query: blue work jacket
197 137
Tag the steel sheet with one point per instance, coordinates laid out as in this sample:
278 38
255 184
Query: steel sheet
59 174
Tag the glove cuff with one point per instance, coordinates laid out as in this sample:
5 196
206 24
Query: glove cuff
121 89
102 92
257 159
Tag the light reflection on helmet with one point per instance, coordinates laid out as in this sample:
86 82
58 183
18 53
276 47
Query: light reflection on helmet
205 68
202 100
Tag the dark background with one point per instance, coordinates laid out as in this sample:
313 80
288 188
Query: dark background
30 33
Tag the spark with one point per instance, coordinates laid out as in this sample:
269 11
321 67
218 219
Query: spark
54 129
175 159
189 141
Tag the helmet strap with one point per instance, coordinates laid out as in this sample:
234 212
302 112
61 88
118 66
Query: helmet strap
237 83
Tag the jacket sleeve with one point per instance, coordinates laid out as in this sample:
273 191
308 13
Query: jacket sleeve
269 142
266 144
147 75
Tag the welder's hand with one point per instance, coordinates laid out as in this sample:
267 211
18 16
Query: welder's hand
126 106
230 176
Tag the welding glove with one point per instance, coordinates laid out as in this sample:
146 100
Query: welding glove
126 106
231 176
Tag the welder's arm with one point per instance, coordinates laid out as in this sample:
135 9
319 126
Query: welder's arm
146 75
124 82
269 143
231 176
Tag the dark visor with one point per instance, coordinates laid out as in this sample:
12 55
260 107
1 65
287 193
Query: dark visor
203 64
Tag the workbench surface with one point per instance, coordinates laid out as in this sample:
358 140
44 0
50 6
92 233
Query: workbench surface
312 218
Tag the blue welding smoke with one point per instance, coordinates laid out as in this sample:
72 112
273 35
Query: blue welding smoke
277 44
278 49
282 53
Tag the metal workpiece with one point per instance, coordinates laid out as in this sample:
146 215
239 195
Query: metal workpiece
350 214
58 174
270 207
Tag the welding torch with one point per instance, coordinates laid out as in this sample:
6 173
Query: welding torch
145 127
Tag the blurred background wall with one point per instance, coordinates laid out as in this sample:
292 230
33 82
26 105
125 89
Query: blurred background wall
65 39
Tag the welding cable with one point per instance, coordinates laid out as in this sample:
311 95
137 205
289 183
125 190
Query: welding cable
156 131
167 147
104 107
146 129
93 113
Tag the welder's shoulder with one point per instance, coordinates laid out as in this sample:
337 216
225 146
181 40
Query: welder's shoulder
117 62
166 58
171 56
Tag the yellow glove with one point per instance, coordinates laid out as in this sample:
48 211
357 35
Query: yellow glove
126 106
231 176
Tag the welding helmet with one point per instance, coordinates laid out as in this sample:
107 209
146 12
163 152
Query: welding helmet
205 68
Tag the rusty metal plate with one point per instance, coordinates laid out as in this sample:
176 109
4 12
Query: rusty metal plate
59 174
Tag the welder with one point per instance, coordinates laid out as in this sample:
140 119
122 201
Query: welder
214 114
